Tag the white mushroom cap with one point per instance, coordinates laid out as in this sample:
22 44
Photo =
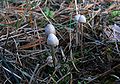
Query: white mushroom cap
116 28
49 29
77 18
49 61
82 19
52 40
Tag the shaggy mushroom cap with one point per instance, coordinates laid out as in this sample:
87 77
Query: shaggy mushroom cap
50 29
52 40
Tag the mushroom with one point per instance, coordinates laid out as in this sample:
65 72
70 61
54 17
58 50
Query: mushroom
50 61
53 41
77 18
50 29
82 20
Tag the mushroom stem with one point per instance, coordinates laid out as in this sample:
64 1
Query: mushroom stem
81 41
77 34
53 55
77 28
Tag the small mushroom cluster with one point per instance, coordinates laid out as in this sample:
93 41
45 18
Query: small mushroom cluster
52 41
80 18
